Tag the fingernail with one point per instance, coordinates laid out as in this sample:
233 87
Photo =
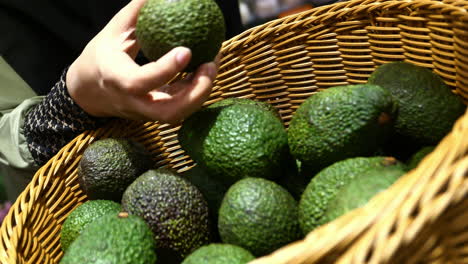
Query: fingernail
218 59
182 55
210 70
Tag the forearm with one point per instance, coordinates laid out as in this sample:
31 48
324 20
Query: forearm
54 122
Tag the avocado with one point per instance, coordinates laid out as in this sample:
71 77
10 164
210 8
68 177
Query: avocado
235 141
81 216
418 157
196 24
109 165
360 190
327 183
293 178
427 107
341 122
113 238
218 253
175 210
259 215
247 101
213 190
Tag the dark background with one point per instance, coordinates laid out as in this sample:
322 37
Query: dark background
40 38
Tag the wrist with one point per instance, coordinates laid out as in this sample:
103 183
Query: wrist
79 91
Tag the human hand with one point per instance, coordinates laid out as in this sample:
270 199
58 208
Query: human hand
105 81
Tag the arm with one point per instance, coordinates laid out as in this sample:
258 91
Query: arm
33 128
106 73
55 121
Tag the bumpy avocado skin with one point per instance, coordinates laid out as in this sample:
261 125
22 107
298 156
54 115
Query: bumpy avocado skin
327 183
341 122
427 107
175 210
360 190
109 165
113 239
81 216
417 157
218 253
247 101
165 24
258 215
235 141
213 190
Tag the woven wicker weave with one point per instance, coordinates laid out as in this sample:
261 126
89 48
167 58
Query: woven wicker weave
420 219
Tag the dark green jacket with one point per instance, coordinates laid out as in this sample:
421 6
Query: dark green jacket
16 163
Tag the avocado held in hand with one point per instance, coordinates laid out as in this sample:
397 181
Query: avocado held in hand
196 24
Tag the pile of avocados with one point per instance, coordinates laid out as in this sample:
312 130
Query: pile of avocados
257 185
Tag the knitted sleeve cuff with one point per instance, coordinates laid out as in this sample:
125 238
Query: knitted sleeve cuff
54 122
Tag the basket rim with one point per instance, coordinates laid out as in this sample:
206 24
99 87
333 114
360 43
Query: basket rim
457 8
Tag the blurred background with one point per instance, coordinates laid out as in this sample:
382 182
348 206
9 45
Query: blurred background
256 12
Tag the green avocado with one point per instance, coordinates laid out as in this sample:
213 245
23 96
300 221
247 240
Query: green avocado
213 190
258 215
175 210
113 238
196 24
427 107
247 101
325 186
81 216
218 253
341 122
109 165
417 157
235 141
360 190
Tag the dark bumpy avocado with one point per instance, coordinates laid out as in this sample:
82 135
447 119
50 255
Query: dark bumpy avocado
109 165
81 216
175 210
258 215
122 238
326 184
341 122
219 254
213 189
360 190
427 107
235 141
165 24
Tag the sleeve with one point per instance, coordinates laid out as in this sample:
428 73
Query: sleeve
54 122
34 128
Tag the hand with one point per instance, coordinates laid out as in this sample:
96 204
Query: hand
105 81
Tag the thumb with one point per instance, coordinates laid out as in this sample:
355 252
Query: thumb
160 72
140 80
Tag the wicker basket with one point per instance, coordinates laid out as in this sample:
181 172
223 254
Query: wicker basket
420 219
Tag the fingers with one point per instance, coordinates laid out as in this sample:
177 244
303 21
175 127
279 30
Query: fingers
122 72
160 72
188 97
